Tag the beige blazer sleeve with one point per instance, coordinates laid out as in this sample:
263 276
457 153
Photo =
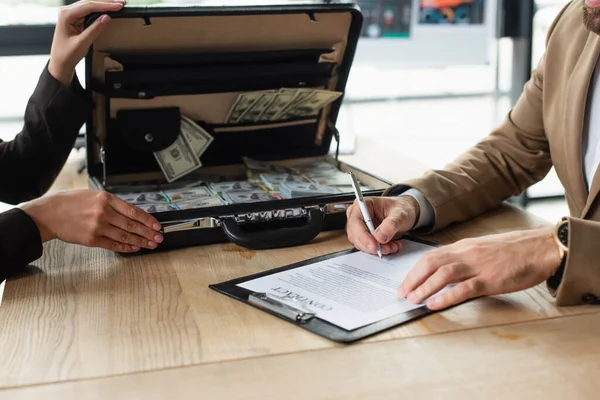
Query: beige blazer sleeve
518 154
578 281
512 158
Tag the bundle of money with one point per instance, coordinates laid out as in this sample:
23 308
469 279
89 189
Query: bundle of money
331 177
144 198
324 173
183 156
271 105
203 202
273 181
158 208
310 105
222 187
191 198
176 196
247 196
292 190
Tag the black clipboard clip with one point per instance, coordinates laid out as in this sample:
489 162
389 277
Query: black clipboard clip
268 302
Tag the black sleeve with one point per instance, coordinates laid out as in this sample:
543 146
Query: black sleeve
20 242
30 163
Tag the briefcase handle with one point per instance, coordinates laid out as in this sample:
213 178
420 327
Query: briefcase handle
274 238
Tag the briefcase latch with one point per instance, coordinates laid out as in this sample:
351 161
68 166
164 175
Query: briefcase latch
191 225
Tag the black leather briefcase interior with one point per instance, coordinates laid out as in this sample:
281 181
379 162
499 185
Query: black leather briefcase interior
153 65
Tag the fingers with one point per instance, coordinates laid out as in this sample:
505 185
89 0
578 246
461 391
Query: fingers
84 8
458 294
134 227
445 275
426 267
357 231
91 33
134 213
123 237
391 248
396 222
108 244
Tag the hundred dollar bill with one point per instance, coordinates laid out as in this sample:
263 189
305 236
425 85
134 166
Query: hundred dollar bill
221 187
292 190
201 203
294 93
253 114
242 104
247 196
277 106
143 198
301 95
272 181
312 104
157 208
329 177
177 160
197 137
177 196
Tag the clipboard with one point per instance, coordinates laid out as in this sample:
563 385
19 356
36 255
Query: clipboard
306 319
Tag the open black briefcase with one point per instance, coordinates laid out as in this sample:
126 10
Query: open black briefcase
154 66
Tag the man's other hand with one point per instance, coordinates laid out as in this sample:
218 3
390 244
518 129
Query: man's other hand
489 265
94 219
392 217
71 40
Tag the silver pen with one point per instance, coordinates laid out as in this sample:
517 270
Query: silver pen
364 210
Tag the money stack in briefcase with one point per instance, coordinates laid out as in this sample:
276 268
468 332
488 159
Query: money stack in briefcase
218 121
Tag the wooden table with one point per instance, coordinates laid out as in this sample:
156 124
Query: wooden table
86 323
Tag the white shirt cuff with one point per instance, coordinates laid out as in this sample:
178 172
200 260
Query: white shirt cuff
426 214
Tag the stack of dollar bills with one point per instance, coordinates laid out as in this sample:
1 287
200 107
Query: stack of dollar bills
273 181
172 200
293 190
264 181
279 105
242 192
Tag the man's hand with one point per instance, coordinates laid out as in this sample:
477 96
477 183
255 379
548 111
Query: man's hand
71 41
393 217
94 219
483 266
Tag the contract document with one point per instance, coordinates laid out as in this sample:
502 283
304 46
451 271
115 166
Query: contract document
350 291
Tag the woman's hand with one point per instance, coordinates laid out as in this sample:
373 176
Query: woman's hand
94 219
71 41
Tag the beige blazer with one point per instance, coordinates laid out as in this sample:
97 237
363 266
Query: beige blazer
543 129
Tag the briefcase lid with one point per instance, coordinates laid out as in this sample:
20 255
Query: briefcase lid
199 61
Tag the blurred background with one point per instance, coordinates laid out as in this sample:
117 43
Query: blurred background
430 77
